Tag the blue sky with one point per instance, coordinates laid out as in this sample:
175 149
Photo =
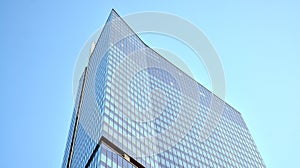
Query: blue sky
257 42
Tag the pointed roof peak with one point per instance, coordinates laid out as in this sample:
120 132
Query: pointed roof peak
113 14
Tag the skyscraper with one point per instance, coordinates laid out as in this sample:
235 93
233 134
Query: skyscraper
136 109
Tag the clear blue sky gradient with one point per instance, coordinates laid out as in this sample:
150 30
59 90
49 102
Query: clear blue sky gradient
258 43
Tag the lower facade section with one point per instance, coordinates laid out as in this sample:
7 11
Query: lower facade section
106 155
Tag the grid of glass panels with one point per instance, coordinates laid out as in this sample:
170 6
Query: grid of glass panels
90 120
72 125
230 145
88 131
107 158
106 113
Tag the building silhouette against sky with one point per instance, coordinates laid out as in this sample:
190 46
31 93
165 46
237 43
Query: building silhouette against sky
135 109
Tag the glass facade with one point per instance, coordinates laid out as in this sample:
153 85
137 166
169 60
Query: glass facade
136 109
